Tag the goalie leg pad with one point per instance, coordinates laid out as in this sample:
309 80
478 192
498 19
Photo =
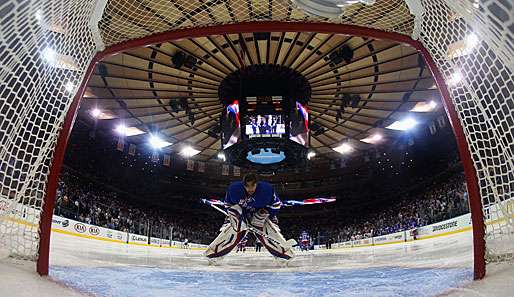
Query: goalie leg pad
224 242
235 217
278 246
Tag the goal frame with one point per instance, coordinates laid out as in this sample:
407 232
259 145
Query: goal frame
268 26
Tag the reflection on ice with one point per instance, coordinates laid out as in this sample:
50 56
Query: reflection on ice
421 268
148 281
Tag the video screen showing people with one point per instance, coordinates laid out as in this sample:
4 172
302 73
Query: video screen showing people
265 125
299 119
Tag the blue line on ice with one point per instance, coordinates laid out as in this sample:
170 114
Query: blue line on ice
138 281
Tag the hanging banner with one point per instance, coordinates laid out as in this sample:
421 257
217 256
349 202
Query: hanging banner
190 165
155 157
121 144
342 163
224 170
132 149
167 160
441 121
201 166
432 128
410 142
237 171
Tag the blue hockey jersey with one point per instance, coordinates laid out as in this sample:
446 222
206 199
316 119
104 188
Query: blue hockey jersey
304 236
263 197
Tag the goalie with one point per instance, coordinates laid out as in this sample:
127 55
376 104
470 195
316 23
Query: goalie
251 202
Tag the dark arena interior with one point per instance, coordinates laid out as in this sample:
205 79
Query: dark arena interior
380 170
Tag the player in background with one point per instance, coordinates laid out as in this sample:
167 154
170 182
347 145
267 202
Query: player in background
305 241
241 246
258 245
250 202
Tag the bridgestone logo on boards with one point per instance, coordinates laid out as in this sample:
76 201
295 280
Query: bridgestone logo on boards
445 226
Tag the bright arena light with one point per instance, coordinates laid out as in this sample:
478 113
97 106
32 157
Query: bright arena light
121 129
38 16
311 154
343 148
471 41
188 151
95 112
221 156
373 139
156 142
455 78
463 47
50 55
424 106
403 125
69 86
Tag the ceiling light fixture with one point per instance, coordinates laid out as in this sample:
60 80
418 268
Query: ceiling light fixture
157 143
95 112
343 148
403 125
188 151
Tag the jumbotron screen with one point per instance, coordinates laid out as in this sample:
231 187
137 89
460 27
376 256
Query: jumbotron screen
271 125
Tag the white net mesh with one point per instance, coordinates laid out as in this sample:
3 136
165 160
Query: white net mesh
132 19
45 47
480 80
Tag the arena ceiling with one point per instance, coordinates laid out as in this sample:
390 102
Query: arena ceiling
136 86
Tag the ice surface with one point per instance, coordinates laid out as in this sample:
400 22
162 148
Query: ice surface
438 266
150 281
422 268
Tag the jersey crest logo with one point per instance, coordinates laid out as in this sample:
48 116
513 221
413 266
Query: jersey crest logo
246 201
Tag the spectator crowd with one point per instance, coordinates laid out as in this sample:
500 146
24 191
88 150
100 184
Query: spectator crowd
92 203
89 202
440 201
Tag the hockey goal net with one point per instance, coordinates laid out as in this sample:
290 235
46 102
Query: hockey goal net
48 50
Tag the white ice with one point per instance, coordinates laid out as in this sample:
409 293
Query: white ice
424 268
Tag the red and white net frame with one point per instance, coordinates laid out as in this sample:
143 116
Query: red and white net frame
49 49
